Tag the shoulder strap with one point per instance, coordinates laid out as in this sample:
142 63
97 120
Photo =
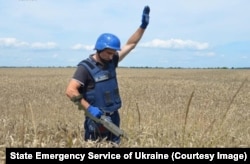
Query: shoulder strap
90 66
96 72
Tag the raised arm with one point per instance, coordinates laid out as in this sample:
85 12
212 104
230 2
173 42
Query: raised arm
136 37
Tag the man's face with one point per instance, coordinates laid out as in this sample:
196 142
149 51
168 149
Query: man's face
107 54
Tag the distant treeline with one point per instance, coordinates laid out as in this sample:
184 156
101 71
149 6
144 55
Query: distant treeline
190 67
146 67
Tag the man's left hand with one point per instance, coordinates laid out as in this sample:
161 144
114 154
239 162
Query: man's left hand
145 17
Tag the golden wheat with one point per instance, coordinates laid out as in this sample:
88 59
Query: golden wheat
161 108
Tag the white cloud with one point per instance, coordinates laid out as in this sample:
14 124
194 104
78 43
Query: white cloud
82 47
176 44
47 45
15 43
12 42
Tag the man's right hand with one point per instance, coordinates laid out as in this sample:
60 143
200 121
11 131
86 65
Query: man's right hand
94 111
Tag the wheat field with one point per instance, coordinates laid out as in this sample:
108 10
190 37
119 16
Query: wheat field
161 108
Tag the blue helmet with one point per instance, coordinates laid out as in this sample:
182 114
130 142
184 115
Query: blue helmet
107 40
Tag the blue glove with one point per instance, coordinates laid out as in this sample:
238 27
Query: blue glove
145 17
94 111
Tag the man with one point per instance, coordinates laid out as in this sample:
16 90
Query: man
94 83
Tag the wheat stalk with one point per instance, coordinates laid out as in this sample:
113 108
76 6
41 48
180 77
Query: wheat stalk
231 102
211 126
139 115
186 117
34 125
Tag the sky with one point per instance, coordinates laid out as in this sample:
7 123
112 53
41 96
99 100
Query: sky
181 33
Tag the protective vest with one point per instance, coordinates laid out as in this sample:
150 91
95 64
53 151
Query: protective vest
105 94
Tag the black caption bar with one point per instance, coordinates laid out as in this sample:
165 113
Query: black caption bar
160 155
